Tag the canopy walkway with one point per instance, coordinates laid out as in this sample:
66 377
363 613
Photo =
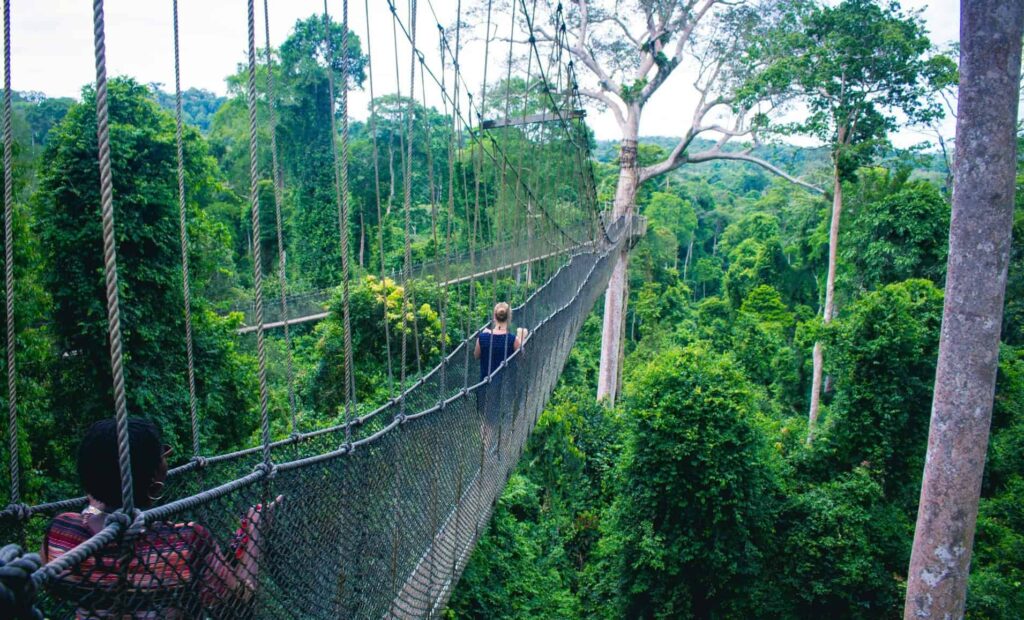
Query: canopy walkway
379 512
380 516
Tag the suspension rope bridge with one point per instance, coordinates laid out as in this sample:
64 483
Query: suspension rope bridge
380 510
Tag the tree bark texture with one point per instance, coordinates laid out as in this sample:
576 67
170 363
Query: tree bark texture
979 252
818 357
615 297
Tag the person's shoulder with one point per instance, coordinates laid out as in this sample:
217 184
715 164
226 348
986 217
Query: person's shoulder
486 331
68 519
67 529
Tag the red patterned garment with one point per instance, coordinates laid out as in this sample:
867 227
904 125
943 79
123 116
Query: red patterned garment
175 563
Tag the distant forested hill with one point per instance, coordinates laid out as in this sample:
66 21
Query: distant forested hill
197 104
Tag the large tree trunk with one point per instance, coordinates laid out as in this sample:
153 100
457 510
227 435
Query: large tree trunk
979 252
615 297
818 358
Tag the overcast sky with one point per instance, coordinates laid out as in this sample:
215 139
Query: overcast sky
53 48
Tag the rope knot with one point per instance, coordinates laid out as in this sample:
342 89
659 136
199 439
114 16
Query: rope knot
131 523
200 461
17 588
269 469
119 518
19 511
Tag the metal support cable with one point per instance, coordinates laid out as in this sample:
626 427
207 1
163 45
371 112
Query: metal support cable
257 258
183 235
12 376
110 260
278 202
341 193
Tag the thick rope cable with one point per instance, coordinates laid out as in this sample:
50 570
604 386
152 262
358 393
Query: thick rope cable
193 407
110 260
341 193
376 185
275 172
12 376
404 345
407 190
257 259
443 302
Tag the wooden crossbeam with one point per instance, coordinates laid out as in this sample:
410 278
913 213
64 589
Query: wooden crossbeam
529 119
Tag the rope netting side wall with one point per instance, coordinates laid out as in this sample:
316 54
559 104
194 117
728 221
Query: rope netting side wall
381 526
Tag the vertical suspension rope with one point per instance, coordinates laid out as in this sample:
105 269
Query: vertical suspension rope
12 387
405 141
341 194
183 235
405 255
110 260
278 202
257 258
376 185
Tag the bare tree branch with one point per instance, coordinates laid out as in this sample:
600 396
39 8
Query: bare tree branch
606 100
716 153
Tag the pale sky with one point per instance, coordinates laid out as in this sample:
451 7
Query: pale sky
53 48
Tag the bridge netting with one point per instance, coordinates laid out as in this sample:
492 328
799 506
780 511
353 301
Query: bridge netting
378 512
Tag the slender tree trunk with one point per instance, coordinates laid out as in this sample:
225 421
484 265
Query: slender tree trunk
689 253
979 253
362 241
615 297
817 357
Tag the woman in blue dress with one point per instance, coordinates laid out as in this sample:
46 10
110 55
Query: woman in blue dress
494 345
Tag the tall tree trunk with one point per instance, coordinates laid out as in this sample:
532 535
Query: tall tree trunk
979 253
615 297
817 357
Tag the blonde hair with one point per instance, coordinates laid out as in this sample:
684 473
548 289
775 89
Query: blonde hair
502 312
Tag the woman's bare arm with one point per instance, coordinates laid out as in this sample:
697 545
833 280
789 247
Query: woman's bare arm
520 338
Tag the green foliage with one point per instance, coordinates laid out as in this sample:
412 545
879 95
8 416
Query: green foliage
998 563
684 534
419 325
520 567
899 236
882 356
856 65
67 208
842 549
198 106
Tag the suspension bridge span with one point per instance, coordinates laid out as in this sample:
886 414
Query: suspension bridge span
380 504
